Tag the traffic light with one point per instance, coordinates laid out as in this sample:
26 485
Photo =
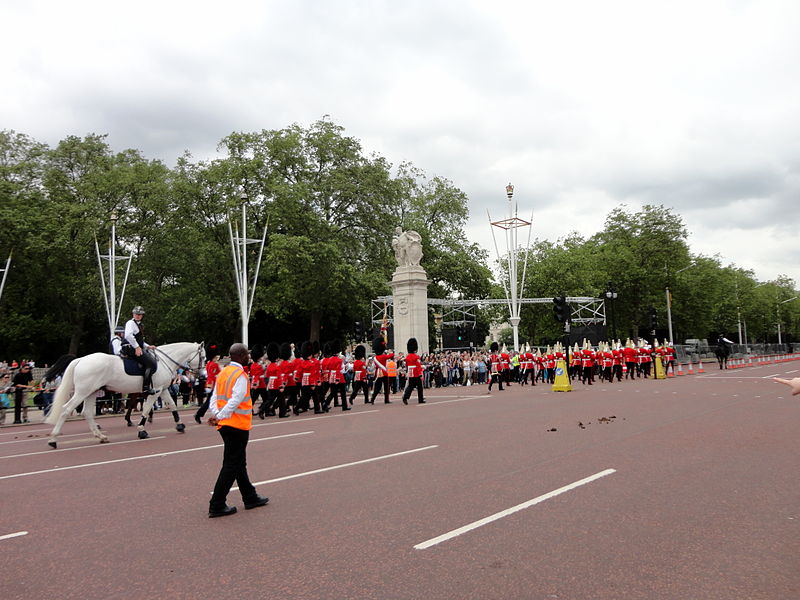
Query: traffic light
561 309
358 330
459 332
653 318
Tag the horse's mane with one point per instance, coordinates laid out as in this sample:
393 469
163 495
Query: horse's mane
59 367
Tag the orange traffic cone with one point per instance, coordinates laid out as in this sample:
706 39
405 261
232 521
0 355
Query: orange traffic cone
700 368
680 370
690 371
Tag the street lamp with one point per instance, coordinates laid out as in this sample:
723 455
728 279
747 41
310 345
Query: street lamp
778 314
113 306
669 304
513 290
611 294
245 288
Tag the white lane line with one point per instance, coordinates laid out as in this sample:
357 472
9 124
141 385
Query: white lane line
342 466
8 536
461 530
485 396
160 454
793 371
98 445
770 376
33 438
290 421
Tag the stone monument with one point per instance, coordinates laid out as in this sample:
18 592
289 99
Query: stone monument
410 291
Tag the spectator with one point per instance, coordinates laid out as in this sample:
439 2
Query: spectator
22 383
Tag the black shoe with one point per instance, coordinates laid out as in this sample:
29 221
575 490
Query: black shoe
198 419
129 422
387 401
221 512
345 408
405 400
259 501
317 412
422 402
284 416
261 415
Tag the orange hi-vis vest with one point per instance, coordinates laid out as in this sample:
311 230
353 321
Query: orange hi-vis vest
242 417
391 368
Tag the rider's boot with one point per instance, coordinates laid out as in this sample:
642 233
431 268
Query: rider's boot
147 387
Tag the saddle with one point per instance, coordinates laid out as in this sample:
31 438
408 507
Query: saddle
132 367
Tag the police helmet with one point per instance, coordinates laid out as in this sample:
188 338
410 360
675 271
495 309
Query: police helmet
138 310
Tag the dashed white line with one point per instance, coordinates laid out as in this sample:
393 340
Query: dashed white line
98 445
504 513
160 454
342 466
8 536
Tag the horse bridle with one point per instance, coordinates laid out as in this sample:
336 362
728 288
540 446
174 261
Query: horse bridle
188 365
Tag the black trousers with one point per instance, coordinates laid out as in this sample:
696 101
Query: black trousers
381 382
496 377
336 391
260 393
631 374
359 386
234 468
413 382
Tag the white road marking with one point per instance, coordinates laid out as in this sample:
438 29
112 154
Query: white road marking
793 371
40 438
453 400
289 421
8 536
98 445
504 513
770 376
159 455
342 466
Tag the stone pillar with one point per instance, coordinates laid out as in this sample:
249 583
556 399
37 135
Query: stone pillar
410 285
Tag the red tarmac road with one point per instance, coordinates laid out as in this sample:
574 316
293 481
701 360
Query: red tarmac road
703 500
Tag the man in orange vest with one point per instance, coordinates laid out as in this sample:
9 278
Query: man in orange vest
232 414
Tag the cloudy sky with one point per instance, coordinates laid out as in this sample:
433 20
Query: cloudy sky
582 105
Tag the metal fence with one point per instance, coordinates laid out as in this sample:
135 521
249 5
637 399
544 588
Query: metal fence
697 352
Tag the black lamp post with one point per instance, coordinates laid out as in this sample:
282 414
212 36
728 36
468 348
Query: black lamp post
611 294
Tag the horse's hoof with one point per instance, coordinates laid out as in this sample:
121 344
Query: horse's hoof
180 427
52 444
143 435
103 440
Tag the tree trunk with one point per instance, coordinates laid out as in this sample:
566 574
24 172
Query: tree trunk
75 338
315 326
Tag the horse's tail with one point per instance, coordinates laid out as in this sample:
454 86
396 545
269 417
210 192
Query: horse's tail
63 394
59 366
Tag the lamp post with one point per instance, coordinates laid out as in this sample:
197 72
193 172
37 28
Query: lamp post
239 243
113 308
514 288
778 314
669 305
611 294
5 274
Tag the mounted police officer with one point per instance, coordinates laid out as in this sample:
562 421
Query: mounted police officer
119 345
134 335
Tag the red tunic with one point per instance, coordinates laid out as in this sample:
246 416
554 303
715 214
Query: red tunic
413 365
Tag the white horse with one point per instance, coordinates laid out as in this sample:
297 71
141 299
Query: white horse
85 376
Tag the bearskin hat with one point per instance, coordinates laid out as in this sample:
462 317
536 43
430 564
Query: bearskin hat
335 347
286 351
494 347
256 352
306 349
412 345
378 345
315 347
360 352
326 349
273 351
